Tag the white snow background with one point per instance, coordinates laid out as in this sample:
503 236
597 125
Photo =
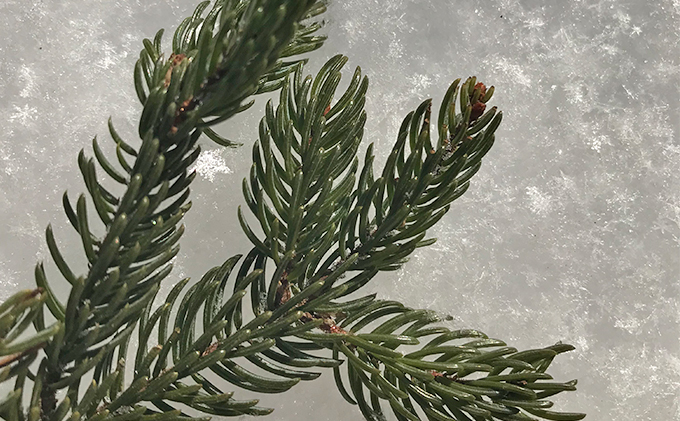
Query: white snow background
570 231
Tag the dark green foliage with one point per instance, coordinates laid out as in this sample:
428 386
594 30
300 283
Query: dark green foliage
458 374
321 217
326 225
224 58
323 223
212 71
17 351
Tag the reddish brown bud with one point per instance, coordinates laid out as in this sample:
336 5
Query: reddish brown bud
482 89
477 110
329 326
209 350
174 61
283 292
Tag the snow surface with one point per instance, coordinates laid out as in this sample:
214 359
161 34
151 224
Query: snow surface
570 231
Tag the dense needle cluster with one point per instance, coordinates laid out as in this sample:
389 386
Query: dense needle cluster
325 224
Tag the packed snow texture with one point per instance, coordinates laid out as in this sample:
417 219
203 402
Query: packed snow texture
570 232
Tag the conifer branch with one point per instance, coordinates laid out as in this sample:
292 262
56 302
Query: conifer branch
326 227
480 378
218 62
321 224
323 221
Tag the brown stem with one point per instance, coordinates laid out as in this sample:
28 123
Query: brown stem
48 396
